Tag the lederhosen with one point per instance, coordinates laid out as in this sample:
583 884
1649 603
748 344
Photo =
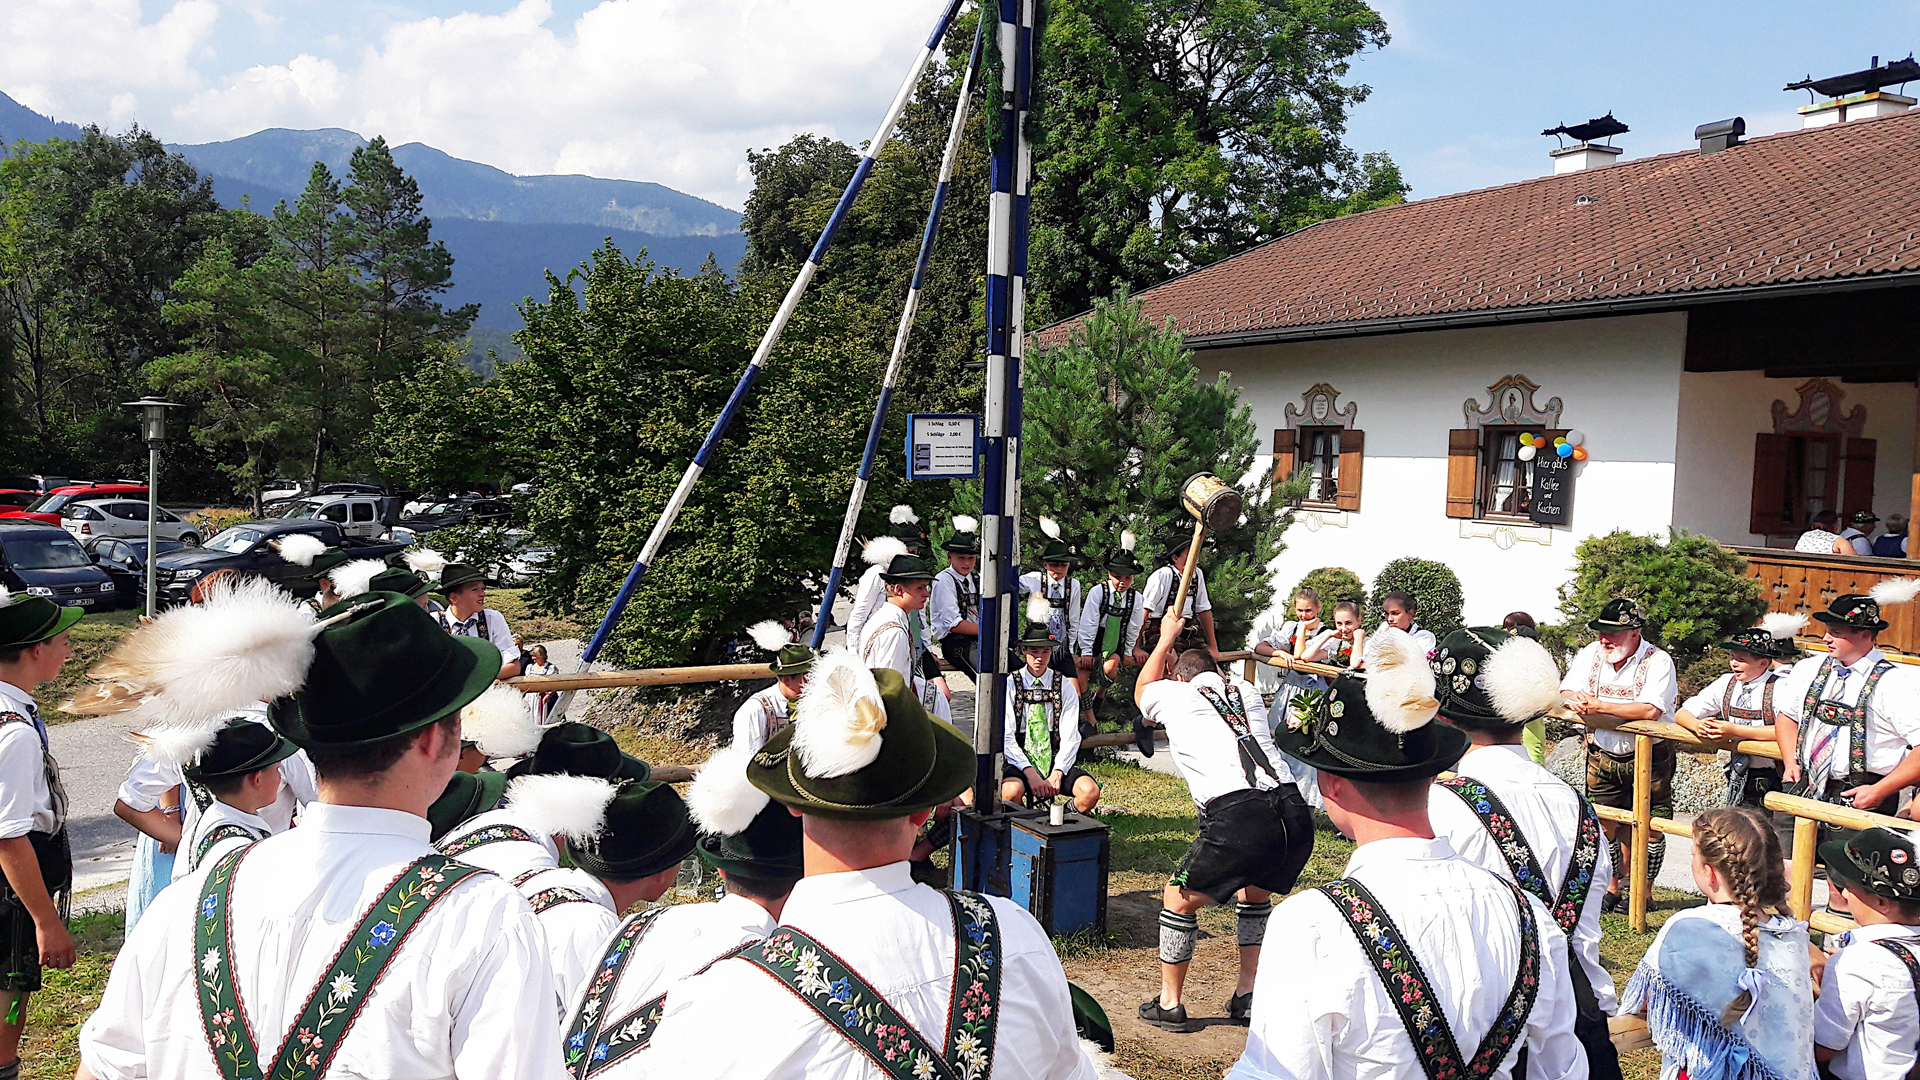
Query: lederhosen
1590 1023
959 649
1612 765
1903 951
335 1002
1046 692
1835 714
1748 781
1250 836
1411 992
55 858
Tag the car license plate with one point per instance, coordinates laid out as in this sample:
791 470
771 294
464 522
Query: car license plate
80 601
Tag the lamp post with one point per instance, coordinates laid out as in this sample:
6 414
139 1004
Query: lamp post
153 427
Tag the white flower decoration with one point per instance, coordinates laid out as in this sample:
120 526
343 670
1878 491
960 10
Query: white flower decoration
341 988
210 962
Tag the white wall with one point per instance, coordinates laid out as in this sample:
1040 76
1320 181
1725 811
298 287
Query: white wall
1618 380
1720 412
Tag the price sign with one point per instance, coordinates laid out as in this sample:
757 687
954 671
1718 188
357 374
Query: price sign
943 446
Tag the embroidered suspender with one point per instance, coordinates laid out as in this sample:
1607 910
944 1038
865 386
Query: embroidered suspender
1234 712
1498 821
492 834
839 996
1412 992
1047 693
549 898
1834 713
1912 964
1116 615
1764 714
334 1004
223 831
586 1052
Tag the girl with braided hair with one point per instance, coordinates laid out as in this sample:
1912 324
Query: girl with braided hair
1726 988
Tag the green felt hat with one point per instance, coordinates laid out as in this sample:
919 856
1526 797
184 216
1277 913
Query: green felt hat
29 620
401 580
571 748
1863 611
1771 640
904 525
1620 613
1375 727
789 656
769 847
454 574
1089 1019
1489 680
1057 548
1877 860
325 563
467 796
1175 539
1038 633
386 669
830 762
905 568
966 536
1121 561
239 748
647 830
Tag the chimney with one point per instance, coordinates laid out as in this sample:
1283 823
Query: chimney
1857 95
1586 154
1720 134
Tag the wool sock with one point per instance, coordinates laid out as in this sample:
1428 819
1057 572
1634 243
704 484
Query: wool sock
1251 921
1177 933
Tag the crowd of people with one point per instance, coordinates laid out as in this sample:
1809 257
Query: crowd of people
386 863
1825 535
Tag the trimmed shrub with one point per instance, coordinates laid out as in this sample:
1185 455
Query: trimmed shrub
1334 584
1694 590
1435 588
214 518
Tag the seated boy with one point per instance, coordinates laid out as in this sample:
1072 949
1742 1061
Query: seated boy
1867 1019
1043 723
1739 704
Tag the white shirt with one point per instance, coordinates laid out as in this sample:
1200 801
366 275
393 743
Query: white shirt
1893 713
1068 720
216 815
899 937
495 630
1867 1008
868 596
758 717
1705 705
1069 608
1547 811
26 803
1092 624
944 608
576 933
1325 1014
508 858
1164 582
456 999
682 940
1203 746
1648 676
887 645
147 781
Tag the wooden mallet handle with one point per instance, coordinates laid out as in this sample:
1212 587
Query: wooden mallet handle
1186 572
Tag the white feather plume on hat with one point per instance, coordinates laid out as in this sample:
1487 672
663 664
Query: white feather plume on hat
771 635
499 724
721 799
1783 624
1050 527
1039 608
1399 682
249 642
1522 680
558 805
1895 591
1127 539
356 577
425 561
964 524
839 717
882 550
179 745
6 596
903 515
300 549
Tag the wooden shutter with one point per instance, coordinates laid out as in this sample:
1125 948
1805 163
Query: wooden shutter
1856 480
1284 454
1353 450
1769 485
1463 472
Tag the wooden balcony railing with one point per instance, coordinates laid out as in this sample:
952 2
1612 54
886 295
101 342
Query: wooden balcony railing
1798 581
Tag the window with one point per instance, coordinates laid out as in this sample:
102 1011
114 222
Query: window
1796 476
363 511
1320 460
334 512
167 516
1485 476
130 511
1331 458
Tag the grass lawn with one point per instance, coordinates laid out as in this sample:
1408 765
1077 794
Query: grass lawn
93 638
51 1050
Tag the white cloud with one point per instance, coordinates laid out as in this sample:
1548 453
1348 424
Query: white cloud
98 60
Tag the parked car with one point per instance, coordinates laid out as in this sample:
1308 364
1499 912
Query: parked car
460 512
526 559
350 489
365 516
125 560
17 498
46 509
249 548
280 488
38 483
42 560
125 517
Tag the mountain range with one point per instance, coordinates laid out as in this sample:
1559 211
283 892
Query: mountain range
505 231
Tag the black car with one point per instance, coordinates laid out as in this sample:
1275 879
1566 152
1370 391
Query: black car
43 560
249 549
463 511
125 560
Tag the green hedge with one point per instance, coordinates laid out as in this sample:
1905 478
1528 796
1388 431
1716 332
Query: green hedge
1334 584
1435 588
1694 590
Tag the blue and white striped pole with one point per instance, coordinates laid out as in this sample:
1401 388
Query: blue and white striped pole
678 500
1006 302
859 496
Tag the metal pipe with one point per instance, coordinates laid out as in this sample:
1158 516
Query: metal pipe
153 518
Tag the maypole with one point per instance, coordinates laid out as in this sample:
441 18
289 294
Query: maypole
678 500
858 497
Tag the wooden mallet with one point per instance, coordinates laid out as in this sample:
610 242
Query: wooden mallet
1214 505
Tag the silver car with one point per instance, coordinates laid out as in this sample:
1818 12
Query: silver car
124 517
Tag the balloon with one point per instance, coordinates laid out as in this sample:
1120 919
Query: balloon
1526 438
1576 437
1559 440
1526 452
1563 450
1579 453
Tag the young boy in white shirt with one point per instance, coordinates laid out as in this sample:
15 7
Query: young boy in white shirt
1866 1022
237 762
1042 740
1739 704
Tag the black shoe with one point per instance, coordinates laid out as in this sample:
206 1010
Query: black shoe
1088 729
1174 1019
1240 1007
1142 736
1613 902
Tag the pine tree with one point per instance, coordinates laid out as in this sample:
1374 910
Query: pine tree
321 303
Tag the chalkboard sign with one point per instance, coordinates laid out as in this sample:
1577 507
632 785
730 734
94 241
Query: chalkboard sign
1552 490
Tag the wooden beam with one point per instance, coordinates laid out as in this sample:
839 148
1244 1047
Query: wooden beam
590 680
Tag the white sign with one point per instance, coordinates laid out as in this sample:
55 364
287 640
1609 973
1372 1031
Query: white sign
943 447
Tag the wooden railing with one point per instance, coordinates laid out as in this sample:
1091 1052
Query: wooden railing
1804 582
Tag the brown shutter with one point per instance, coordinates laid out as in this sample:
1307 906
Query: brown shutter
1856 480
1353 450
1463 472
1769 486
1284 442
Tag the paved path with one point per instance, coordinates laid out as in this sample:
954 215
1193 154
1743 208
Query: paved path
94 756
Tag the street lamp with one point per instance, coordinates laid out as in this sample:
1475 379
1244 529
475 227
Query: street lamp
153 427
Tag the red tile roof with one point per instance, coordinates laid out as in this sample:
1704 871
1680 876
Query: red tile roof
1805 206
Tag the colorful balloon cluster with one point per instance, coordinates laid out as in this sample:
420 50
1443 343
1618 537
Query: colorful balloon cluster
1571 445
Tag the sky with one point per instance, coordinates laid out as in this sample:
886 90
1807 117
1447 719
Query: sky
677 91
